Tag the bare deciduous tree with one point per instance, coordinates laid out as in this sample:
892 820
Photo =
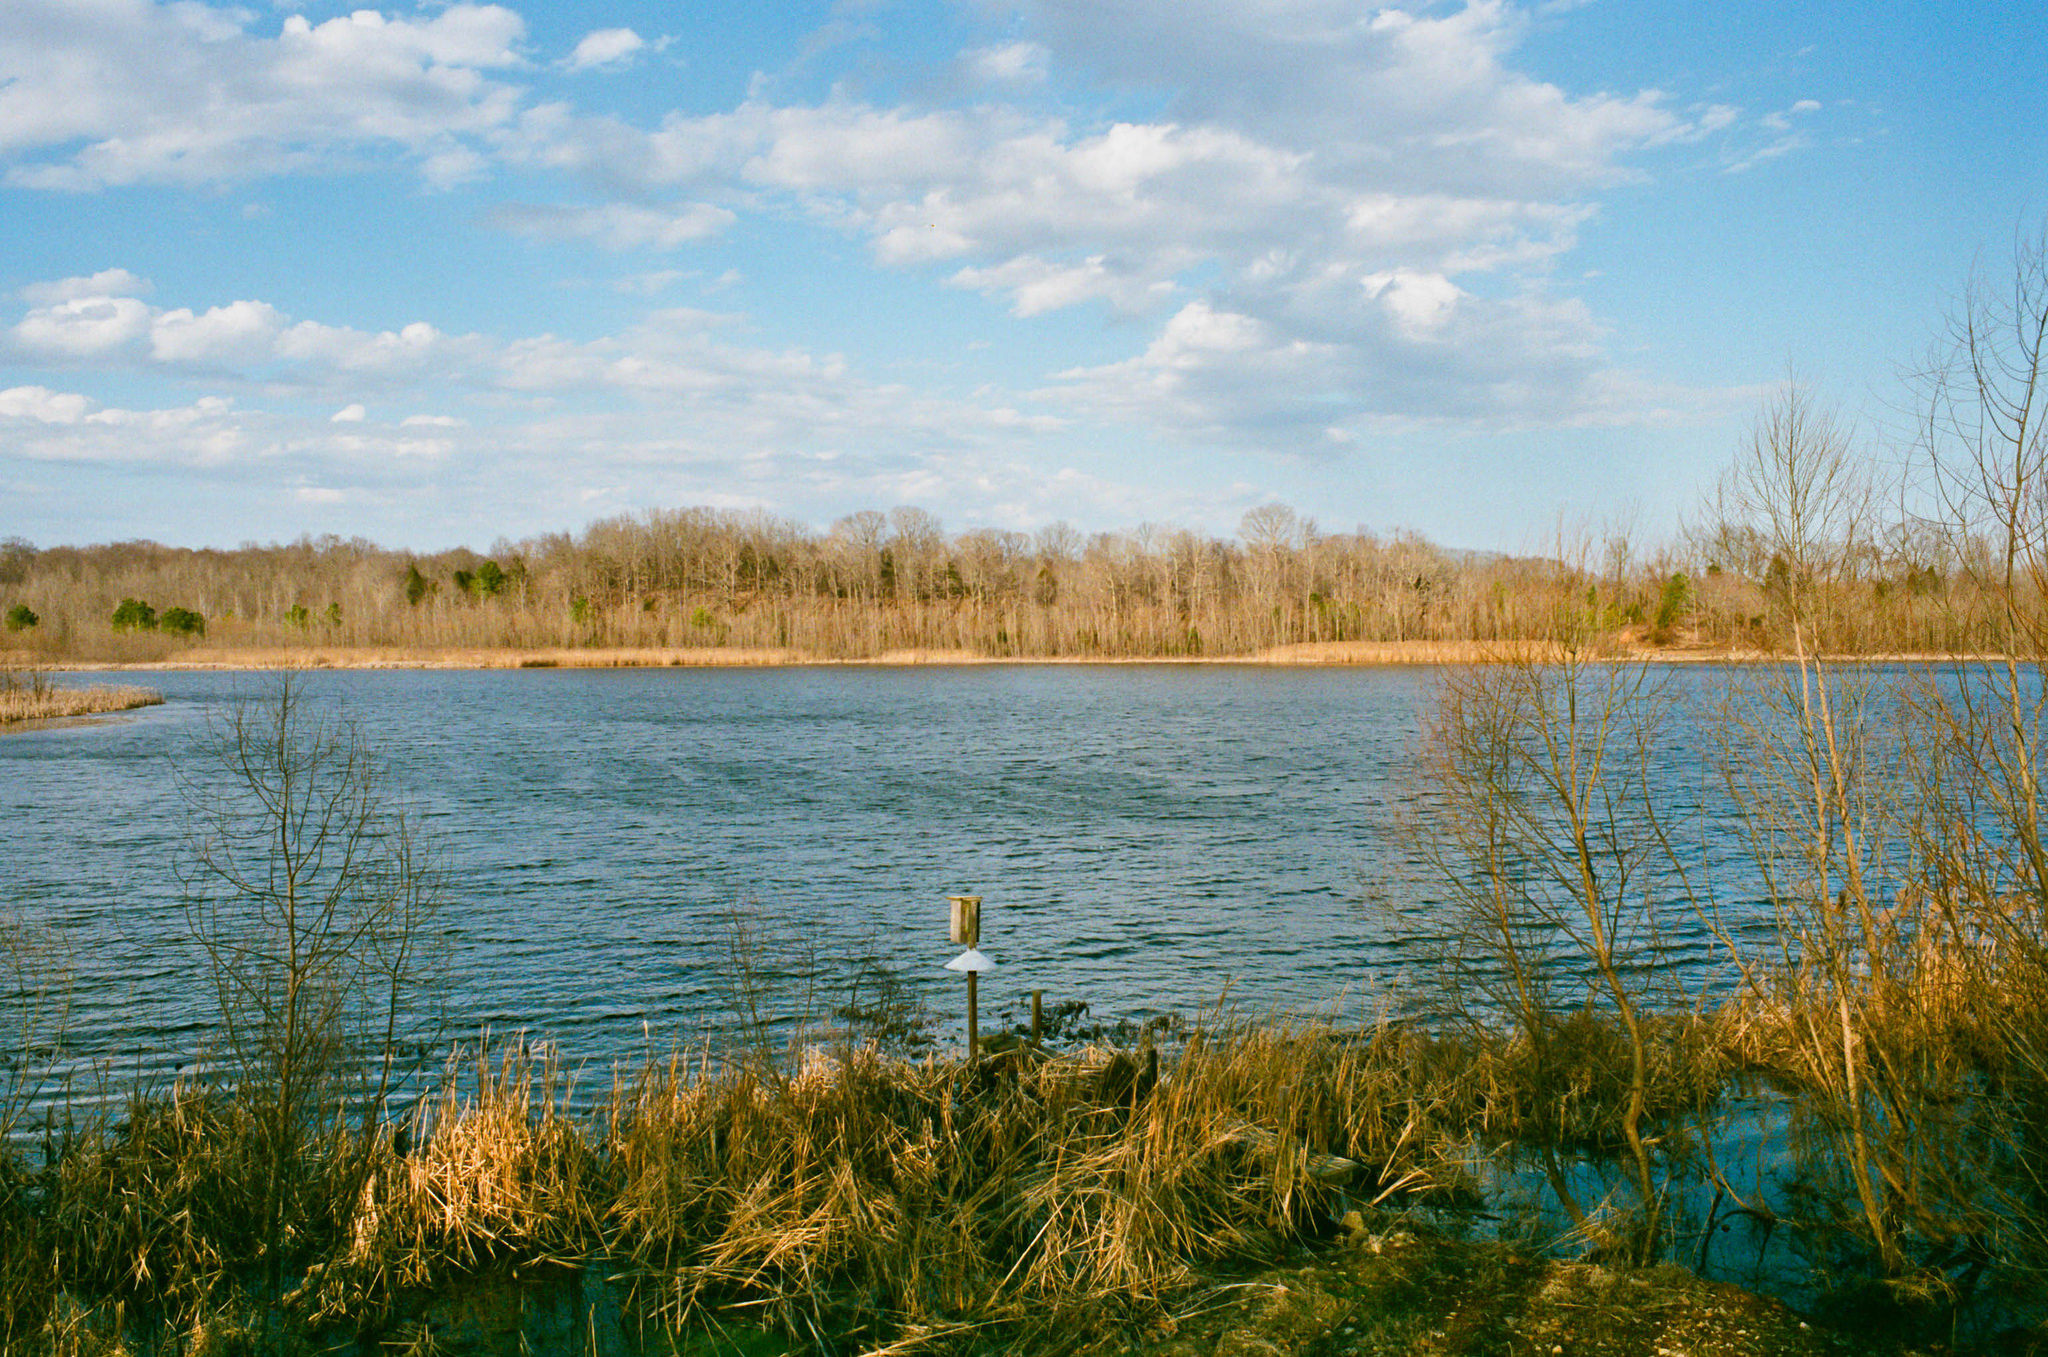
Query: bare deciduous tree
1549 838
312 902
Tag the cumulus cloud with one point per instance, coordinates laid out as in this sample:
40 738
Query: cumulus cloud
239 331
605 48
63 426
1334 178
674 368
84 327
1421 304
1426 95
1409 349
1324 217
105 283
43 405
120 92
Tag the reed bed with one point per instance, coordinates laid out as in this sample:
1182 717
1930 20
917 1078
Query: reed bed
1065 1197
846 1198
29 695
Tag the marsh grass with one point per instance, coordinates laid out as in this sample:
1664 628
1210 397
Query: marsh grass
29 695
851 1198
863 1193
854 1194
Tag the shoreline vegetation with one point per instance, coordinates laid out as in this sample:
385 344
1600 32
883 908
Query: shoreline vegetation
28 696
1228 1188
1337 654
700 586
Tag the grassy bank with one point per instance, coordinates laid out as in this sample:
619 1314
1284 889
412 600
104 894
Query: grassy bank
29 695
844 1199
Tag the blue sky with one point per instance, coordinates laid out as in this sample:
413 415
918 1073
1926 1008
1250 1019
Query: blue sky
437 274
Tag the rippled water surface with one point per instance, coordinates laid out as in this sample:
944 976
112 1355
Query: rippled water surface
1144 837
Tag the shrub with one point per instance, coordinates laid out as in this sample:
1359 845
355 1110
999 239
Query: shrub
417 586
333 614
20 618
134 615
182 622
297 615
487 581
1677 597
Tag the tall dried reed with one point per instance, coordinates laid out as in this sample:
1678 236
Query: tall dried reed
30 695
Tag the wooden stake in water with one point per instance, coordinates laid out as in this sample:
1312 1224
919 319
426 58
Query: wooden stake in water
1037 996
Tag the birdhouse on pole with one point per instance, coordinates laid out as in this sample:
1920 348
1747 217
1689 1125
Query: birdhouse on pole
966 920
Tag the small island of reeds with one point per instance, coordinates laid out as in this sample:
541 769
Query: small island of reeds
31 695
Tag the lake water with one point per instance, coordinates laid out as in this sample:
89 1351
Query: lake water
1145 838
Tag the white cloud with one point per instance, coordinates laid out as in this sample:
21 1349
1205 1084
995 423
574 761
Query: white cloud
1324 217
1418 351
1012 63
85 327
69 427
672 362
121 92
410 354
1037 285
252 340
1336 178
43 405
605 47
105 283
1421 303
1424 94
239 331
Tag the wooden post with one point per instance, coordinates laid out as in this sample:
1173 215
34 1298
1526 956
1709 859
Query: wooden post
973 1020
966 932
1037 996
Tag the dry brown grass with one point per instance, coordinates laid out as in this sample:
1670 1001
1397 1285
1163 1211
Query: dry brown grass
29 695
1058 1202
860 1194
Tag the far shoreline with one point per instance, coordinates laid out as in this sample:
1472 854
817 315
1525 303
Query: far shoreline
1327 654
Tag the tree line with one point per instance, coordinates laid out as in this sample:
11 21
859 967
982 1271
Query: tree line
874 582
